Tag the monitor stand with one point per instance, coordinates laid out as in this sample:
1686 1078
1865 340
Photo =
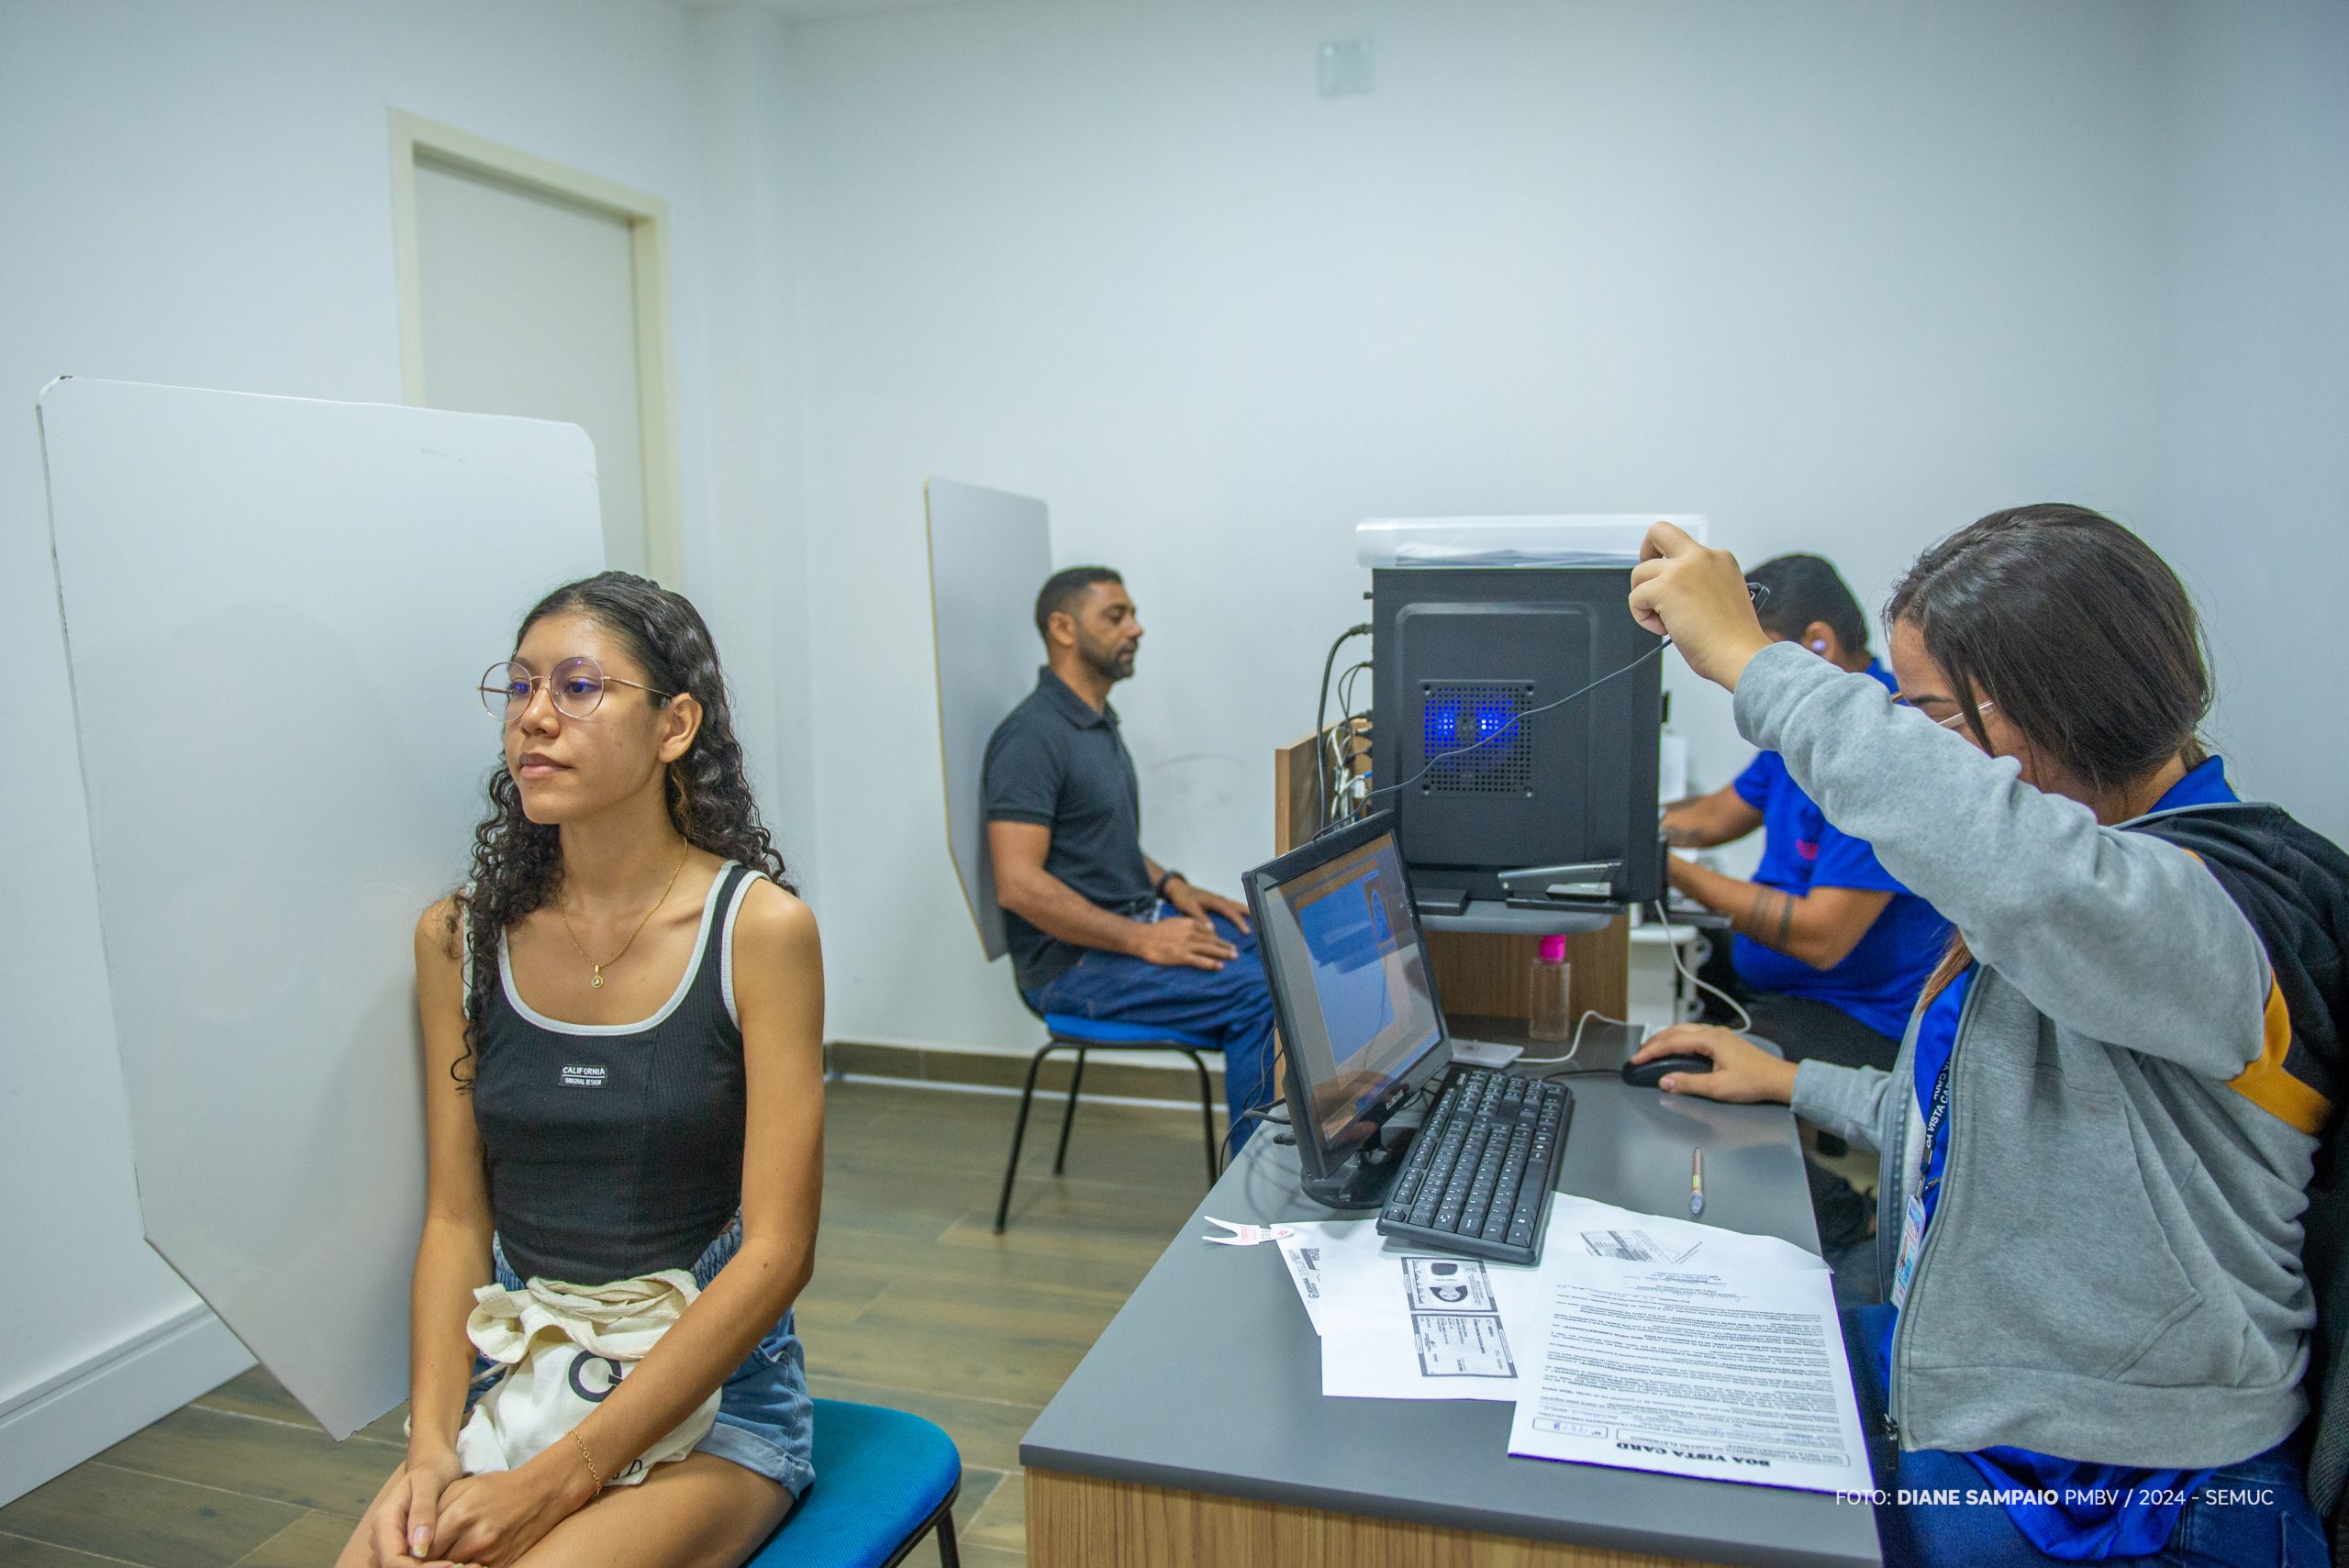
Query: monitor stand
1368 1173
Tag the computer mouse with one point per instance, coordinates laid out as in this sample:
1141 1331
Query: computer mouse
1649 1073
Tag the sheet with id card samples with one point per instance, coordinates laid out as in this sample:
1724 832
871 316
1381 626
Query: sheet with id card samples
1400 1324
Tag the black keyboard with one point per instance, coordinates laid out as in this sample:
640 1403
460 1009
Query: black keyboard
1479 1176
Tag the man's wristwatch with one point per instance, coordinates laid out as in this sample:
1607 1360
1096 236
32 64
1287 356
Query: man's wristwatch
1163 878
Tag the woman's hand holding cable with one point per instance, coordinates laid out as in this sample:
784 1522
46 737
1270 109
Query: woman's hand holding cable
1698 599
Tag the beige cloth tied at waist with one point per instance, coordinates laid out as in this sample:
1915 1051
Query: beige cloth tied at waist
564 1348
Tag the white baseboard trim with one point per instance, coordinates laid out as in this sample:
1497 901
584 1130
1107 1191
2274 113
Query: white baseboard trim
88 1407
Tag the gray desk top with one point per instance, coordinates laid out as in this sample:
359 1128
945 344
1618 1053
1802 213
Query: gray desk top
1210 1380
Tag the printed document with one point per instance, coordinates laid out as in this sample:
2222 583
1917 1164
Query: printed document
1398 1322
1690 1350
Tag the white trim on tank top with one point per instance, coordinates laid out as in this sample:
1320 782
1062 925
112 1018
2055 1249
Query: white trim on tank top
693 967
726 945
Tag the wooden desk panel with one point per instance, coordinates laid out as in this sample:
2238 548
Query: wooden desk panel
1493 976
1078 1521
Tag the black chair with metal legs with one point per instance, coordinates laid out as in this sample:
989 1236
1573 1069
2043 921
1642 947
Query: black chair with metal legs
1070 1033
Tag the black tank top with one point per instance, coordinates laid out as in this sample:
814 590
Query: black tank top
616 1150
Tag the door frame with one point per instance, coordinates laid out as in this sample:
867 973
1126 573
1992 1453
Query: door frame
647 216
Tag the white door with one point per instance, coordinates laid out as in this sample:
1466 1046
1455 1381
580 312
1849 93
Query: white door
527 305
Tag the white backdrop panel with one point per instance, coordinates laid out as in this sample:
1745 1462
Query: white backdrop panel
989 552
276 611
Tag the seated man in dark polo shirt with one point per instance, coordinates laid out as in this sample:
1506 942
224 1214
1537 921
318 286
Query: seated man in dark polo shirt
1096 928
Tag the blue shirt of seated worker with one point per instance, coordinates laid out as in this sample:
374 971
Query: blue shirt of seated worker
2079 1525
1878 980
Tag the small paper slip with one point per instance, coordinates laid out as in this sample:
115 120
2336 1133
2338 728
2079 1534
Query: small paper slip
1303 1256
1398 1322
1246 1235
1689 1350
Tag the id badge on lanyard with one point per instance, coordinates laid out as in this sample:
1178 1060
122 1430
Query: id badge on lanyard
1912 1213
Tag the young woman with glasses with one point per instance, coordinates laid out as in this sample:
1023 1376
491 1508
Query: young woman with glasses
622 1020
2098 1139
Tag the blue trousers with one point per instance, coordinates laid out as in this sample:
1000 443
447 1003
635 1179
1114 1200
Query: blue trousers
2280 1529
1232 1008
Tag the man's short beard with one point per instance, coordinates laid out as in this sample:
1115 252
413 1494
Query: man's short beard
1111 664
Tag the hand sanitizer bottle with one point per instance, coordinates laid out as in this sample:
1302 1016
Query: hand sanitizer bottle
1546 1012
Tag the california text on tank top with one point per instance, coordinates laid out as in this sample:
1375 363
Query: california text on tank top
616 1150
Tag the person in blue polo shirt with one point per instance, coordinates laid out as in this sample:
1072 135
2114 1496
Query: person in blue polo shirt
1830 950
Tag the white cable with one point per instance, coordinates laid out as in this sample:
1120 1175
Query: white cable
1745 1019
1333 743
1346 684
1347 783
1576 1043
1745 1023
1343 741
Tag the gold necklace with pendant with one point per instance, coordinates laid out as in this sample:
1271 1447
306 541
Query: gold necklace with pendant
599 981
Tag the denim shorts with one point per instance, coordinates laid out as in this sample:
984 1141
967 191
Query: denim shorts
766 1421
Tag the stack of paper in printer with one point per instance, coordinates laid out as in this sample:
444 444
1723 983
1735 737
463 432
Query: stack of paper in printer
1642 1342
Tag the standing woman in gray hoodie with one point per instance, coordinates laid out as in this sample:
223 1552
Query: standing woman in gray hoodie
2097 1142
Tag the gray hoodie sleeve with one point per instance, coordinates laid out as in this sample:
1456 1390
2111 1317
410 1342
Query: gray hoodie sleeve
2117 935
1848 1101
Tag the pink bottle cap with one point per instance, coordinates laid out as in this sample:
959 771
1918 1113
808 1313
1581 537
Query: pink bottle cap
1554 950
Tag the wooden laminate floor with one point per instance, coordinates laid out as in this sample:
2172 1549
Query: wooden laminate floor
916 1304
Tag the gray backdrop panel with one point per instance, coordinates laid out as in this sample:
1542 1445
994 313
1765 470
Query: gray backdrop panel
989 552
276 614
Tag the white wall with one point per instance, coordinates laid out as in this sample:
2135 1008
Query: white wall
1841 275
201 195
752 577
2255 485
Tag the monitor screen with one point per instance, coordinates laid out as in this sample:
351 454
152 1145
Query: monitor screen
1343 947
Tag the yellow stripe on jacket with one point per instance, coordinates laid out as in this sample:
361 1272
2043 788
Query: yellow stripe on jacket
2268 1085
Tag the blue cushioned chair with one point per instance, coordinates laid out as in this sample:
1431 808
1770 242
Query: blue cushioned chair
1070 1033
884 1479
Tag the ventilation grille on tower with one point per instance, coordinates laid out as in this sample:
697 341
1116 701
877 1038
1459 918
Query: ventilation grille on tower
1464 713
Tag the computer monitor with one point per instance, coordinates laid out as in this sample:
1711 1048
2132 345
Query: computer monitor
1354 994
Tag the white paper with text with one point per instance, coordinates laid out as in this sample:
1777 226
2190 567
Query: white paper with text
1684 1349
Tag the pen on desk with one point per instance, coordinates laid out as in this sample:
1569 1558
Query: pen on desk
1696 1182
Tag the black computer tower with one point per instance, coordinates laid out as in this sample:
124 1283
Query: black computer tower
1459 653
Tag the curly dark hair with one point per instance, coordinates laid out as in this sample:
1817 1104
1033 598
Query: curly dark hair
518 864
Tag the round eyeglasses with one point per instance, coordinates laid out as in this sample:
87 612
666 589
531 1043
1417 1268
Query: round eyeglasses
575 686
